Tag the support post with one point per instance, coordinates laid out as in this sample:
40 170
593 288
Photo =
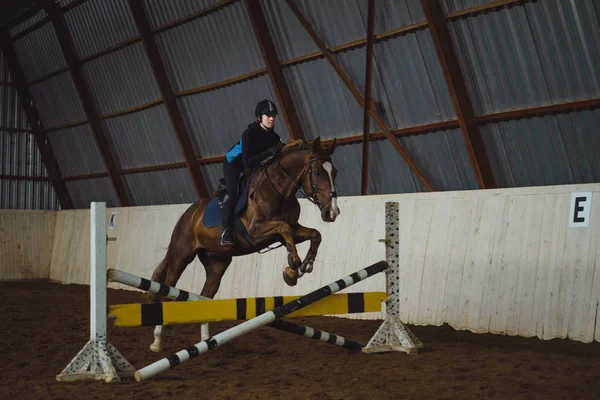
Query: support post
392 335
98 359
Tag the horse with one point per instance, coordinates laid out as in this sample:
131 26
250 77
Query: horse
270 216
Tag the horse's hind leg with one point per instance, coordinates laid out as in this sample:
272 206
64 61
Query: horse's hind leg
168 272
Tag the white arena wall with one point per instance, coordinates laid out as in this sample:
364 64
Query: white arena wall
504 261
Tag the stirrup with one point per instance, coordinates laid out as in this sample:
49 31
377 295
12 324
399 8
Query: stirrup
227 237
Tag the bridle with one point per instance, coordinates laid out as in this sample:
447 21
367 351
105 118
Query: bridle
312 197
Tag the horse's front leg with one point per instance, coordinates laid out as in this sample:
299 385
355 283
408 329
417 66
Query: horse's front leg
270 228
302 234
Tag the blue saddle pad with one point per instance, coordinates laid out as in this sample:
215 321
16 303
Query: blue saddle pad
212 213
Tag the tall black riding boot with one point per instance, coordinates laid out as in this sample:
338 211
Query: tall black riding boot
227 237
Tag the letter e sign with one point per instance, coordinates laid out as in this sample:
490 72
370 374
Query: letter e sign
579 215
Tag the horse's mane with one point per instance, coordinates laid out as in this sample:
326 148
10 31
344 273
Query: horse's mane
301 145
296 144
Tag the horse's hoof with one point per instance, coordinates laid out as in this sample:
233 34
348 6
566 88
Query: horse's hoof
288 280
306 268
156 348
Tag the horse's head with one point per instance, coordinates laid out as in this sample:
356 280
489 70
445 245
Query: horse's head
318 182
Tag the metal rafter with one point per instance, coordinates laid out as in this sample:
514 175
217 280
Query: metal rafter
458 92
33 116
372 112
269 53
364 187
160 74
25 178
68 50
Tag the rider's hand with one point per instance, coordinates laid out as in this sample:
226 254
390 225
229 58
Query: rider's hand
277 148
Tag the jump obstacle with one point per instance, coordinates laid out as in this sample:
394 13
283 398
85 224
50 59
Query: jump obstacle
223 309
100 360
234 309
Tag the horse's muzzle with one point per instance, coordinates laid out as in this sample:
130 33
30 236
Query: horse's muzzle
329 214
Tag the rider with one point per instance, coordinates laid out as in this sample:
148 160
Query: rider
257 146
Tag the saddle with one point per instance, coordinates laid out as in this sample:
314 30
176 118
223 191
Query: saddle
212 213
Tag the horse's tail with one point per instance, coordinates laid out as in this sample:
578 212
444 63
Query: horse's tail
159 275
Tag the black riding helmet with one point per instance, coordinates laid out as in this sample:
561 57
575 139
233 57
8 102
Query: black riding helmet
265 107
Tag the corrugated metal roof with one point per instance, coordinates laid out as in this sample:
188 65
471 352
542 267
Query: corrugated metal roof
11 113
551 150
39 53
407 66
89 190
225 47
324 103
121 80
161 12
27 195
66 2
28 23
212 173
449 6
288 34
57 101
392 14
143 138
441 156
96 25
540 53
172 186
3 68
217 119
413 80
384 162
19 155
335 21
76 151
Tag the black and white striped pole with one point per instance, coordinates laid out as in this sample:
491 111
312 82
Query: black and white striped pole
115 275
257 322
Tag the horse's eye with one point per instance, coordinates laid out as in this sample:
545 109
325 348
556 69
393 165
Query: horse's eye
317 172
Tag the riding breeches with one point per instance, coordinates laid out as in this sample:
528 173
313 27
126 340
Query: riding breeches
231 173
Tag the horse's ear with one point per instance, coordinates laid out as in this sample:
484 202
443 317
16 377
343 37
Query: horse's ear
316 144
331 147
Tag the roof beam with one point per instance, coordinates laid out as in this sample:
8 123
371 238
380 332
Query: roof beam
160 74
269 53
372 112
68 49
34 120
364 187
421 129
24 178
458 92
567 106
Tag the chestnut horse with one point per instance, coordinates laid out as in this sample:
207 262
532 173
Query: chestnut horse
271 216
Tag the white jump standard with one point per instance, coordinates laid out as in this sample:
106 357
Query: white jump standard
98 359
255 323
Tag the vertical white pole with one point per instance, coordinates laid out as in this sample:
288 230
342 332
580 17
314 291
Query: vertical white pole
98 359
98 272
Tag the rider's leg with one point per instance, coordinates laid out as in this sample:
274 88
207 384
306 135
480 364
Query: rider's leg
231 173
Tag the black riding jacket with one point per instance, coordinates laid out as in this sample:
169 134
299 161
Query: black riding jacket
252 147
